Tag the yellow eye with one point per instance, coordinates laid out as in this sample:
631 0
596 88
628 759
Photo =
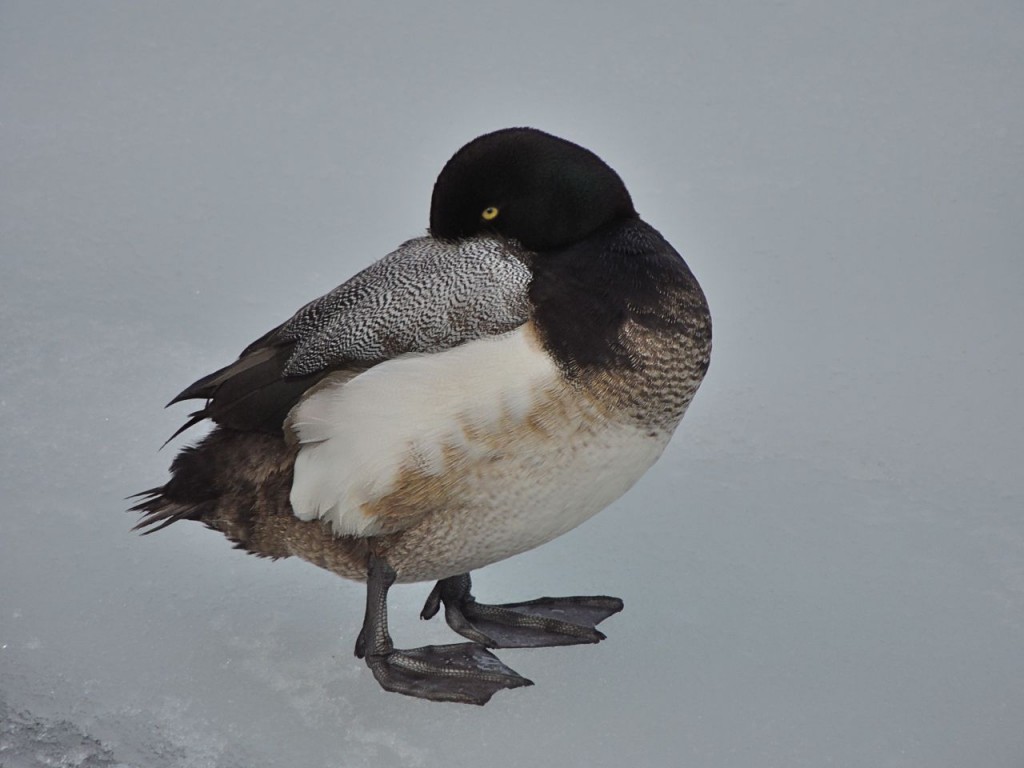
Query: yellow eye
490 213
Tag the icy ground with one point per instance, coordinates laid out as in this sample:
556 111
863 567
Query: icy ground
827 566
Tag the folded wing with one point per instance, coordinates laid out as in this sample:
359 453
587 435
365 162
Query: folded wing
427 296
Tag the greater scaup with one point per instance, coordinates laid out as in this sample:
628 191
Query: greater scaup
470 396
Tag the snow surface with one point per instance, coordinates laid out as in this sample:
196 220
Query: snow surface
826 568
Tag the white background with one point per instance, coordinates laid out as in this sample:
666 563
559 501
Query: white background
826 567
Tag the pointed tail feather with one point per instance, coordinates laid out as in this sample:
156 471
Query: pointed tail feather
192 493
239 483
159 511
228 480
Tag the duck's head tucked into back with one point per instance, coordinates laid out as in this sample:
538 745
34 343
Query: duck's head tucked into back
470 396
525 184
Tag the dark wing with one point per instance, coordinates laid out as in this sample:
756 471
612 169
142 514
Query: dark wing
427 296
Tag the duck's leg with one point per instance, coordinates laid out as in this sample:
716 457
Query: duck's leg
464 672
535 623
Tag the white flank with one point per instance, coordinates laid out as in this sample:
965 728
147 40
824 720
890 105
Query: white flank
357 436
475 454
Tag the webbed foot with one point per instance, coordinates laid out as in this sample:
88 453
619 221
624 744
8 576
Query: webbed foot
463 672
547 621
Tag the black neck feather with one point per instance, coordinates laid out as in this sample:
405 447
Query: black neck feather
584 294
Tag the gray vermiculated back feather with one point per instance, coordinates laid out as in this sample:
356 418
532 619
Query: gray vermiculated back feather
426 296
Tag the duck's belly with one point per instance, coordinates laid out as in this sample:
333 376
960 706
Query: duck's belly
520 499
450 461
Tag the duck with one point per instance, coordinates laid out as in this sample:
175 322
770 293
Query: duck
478 392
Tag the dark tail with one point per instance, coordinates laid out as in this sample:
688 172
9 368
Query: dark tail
238 483
158 511
233 482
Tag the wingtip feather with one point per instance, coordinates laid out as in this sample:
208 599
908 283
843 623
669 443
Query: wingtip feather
193 418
